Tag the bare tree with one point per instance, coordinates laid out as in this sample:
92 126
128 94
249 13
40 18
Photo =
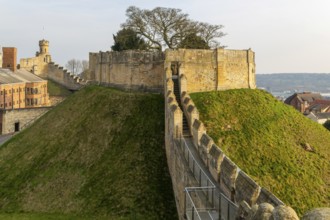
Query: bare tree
167 27
85 65
74 66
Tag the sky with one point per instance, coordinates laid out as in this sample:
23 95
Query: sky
288 36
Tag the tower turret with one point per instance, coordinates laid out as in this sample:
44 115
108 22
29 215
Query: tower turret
43 45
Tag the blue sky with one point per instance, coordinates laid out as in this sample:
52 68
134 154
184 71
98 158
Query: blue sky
287 35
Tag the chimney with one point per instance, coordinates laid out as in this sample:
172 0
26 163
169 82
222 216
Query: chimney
9 60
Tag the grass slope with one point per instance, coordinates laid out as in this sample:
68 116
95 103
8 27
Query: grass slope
55 89
99 154
264 137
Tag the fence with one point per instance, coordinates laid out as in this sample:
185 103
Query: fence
204 201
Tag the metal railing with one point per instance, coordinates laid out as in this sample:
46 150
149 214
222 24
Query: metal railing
204 201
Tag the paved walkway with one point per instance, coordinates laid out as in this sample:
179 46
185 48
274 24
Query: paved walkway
5 137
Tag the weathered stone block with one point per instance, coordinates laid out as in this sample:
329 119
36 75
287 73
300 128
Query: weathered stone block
215 158
266 196
198 130
246 189
228 175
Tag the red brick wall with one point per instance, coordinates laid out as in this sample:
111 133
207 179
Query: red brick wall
9 58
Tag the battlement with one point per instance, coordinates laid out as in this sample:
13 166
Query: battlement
43 42
206 70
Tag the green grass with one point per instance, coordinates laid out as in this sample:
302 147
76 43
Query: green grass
99 153
264 137
55 89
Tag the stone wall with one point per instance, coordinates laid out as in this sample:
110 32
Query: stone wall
218 69
24 117
36 65
233 182
39 64
138 70
64 77
205 70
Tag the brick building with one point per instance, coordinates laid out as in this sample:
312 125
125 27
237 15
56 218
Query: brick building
9 58
22 89
23 98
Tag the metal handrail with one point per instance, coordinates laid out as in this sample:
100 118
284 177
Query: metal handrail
200 188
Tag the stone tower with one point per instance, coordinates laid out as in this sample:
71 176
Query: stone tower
38 64
44 47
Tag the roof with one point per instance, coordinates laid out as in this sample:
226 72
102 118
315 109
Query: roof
319 106
323 115
7 76
305 96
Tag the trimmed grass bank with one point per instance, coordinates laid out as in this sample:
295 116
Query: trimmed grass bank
97 155
266 139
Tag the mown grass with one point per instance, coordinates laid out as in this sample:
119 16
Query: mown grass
99 153
55 89
265 138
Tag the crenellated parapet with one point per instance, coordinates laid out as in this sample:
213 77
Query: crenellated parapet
64 77
234 183
205 70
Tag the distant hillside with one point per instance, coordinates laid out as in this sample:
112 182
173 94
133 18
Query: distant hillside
267 139
98 155
294 81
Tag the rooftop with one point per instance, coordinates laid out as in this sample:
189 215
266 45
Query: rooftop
7 76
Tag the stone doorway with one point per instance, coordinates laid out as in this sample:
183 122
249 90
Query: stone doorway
175 66
16 126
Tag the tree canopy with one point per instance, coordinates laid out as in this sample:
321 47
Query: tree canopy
169 27
192 41
127 39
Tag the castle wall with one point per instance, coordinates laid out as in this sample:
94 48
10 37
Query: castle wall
140 70
233 182
63 77
205 70
199 66
218 69
236 69
22 118
37 65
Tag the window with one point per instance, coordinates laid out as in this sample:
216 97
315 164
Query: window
0 92
36 101
9 91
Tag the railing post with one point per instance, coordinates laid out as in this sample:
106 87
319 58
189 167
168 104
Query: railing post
192 212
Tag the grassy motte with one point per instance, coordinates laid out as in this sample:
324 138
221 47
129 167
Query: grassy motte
266 139
99 154
55 89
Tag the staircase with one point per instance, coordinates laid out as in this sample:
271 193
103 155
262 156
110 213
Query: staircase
185 126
